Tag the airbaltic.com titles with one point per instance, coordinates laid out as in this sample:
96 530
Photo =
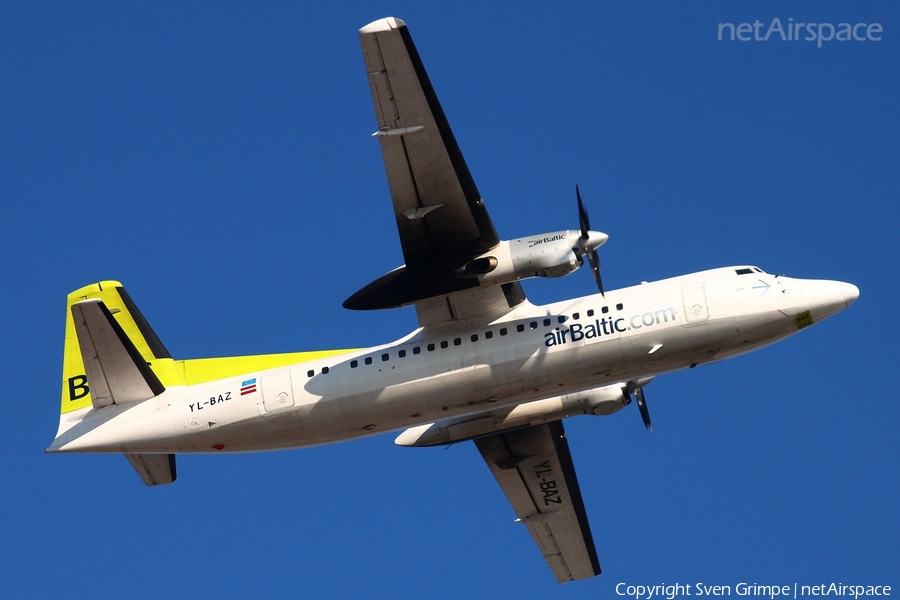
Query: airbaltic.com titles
793 32
674 590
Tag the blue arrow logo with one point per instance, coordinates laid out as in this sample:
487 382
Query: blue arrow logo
764 287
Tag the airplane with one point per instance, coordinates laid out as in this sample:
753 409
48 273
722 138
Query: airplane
484 364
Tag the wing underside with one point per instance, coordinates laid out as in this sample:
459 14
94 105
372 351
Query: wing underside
440 214
534 468
441 217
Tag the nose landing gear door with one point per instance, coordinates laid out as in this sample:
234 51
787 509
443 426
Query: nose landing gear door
695 308
277 392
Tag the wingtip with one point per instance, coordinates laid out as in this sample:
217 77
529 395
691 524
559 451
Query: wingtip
385 24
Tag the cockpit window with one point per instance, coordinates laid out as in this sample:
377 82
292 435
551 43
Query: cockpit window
744 271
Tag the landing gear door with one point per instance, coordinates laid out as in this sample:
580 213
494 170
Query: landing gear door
277 392
695 307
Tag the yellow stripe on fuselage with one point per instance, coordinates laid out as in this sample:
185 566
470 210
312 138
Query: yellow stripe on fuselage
201 370
75 393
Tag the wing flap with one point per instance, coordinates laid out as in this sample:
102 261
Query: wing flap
115 370
477 303
534 468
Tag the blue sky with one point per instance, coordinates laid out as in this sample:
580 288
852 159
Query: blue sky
216 158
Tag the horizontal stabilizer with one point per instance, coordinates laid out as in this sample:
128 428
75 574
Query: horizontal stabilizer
154 469
115 370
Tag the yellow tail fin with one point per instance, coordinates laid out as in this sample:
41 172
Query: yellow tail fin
75 390
133 350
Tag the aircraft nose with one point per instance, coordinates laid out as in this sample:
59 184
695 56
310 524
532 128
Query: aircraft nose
850 293
827 298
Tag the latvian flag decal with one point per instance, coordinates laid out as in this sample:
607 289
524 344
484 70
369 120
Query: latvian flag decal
248 387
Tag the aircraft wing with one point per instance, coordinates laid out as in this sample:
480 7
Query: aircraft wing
440 215
439 212
534 468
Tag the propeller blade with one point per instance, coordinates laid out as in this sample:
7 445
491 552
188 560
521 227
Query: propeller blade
583 219
642 404
593 258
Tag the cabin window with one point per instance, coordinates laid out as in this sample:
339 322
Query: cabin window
444 343
533 324
457 341
324 370
591 312
561 319
368 360
431 347
488 335
385 357
547 322
354 364
503 331
474 337
604 310
417 350
576 316
520 327
310 373
401 353
620 306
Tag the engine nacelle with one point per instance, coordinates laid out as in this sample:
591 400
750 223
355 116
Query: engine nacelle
596 401
546 255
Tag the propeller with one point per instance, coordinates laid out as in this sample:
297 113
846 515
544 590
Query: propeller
588 242
637 387
642 404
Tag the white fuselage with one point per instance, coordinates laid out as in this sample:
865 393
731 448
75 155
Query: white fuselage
442 372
